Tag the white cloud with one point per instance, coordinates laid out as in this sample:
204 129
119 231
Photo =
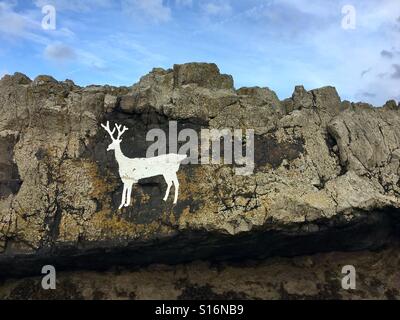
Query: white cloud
375 14
59 52
153 9
352 52
3 73
127 47
396 73
27 26
217 8
75 5
184 3
91 60
14 24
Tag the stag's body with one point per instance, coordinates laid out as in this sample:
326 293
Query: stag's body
131 170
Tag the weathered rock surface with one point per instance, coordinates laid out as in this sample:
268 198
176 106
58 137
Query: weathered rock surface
326 174
307 277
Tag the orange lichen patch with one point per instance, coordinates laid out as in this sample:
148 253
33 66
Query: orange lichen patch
193 186
318 200
84 183
186 187
293 174
172 218
111 225
256 216
69 229
184 218
266 202
104 225
207 184
203 217
31 230
144 197
55 151
100 186
86 171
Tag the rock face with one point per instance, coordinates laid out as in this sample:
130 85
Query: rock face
326 174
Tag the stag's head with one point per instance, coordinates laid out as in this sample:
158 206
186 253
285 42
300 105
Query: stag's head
120 131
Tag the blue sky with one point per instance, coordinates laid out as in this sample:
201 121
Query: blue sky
275 44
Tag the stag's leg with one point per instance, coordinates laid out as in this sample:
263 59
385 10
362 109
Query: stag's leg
176 184
169 183
123 197
128 195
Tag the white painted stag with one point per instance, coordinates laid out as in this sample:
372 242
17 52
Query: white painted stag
131 170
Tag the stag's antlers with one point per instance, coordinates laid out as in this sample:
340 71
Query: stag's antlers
120 132
107 128
117 127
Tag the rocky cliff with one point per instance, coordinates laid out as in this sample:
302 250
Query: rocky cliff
326 174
